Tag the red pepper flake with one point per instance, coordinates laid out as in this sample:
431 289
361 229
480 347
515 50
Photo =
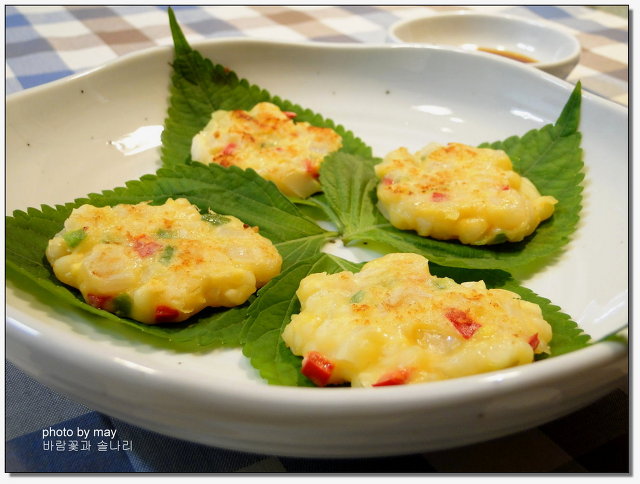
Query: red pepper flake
534 341
166 314
98 301
360 308
317 368
439 197
239 113
289 114
311 168
505 188
464 324
229 149
395 377
387 181
145 246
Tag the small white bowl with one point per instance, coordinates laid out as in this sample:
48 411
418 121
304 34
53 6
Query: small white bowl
536 43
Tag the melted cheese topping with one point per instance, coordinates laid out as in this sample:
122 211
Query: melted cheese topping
160 263
394 322
267 140
459 192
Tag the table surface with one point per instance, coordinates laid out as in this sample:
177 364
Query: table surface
45 43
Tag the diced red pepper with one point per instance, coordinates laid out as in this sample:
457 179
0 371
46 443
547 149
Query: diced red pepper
289 114
534 341
229 149
506 187
166 314
387 181
464 324
395 377
439 197
98 301
145 245
311 169
317 368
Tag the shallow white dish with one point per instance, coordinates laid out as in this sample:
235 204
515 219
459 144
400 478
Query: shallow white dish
106 131
546 46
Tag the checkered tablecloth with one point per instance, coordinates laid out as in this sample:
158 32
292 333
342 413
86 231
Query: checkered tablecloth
45 43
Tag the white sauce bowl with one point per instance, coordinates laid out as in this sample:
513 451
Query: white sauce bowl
544 45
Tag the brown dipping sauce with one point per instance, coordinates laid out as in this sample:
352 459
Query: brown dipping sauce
509 54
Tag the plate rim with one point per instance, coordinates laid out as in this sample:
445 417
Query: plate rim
316 45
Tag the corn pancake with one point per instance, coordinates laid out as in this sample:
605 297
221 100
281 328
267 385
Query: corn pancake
160 263
269 141
394 323
459 192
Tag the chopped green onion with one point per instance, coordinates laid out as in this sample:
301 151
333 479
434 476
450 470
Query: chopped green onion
499 238
165 234
74 237
122 304
215 218
357 297
441 283
167 254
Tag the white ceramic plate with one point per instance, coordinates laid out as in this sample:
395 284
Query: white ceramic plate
94 131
